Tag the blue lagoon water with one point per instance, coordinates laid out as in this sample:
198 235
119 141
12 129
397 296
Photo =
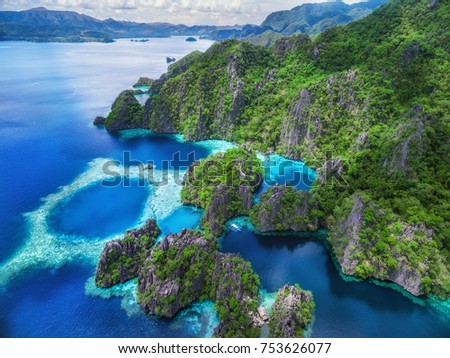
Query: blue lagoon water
343 308
55 214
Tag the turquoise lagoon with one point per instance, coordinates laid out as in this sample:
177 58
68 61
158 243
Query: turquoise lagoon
56 215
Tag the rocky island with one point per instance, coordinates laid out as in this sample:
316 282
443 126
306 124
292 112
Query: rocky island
223 185
291 313
187 267
121 260
284 208
374 127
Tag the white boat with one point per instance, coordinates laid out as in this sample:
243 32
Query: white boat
235 227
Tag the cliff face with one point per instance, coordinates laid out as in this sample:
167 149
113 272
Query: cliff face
121 260
223 185
173 276
235 290
291 313
410 144
185 268
371 243
227 203
315 112
201 102
284 208
126 113
366 103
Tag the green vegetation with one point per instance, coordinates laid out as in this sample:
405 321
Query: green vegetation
126 112
223 185
143 81
366 104
284 208
235 289
291 313
121 259
181 265
188 267
372 94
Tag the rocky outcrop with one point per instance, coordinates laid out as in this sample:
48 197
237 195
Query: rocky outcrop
225 116
284 208
143 81
99 121
121 260
291 313
315 51
433 3
223 185
368 243
185 268
295 128
411 144
313 112
291 44
410 53
330 170
220 209
234 289
212 97
173 275
126 113
270 77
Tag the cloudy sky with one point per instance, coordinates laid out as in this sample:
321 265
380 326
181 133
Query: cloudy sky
190 12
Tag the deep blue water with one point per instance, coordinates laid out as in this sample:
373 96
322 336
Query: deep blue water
56 215
343 309
99 211
49 95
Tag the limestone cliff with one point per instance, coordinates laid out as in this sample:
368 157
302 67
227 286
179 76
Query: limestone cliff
291 313
174 274
284 208
223 185
126 113
187 267
121 260
370 243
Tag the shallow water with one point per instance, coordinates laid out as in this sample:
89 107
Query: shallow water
56 216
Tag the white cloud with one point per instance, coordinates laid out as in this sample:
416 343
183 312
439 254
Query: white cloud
190 12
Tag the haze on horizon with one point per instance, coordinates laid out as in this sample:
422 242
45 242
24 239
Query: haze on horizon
189 12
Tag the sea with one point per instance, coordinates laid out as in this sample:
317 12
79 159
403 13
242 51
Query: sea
67 187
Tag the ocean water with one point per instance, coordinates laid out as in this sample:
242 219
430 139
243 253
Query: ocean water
67 187
56 213
344 307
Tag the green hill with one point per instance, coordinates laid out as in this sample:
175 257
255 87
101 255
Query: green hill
367 104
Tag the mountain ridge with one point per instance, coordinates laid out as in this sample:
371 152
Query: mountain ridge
366 104
43 25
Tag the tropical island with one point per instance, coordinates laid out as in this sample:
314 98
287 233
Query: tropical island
43 25
365 104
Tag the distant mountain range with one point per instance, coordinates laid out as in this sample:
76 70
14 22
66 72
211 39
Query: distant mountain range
42 25
308 19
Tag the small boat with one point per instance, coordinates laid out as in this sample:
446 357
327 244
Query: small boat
235 227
